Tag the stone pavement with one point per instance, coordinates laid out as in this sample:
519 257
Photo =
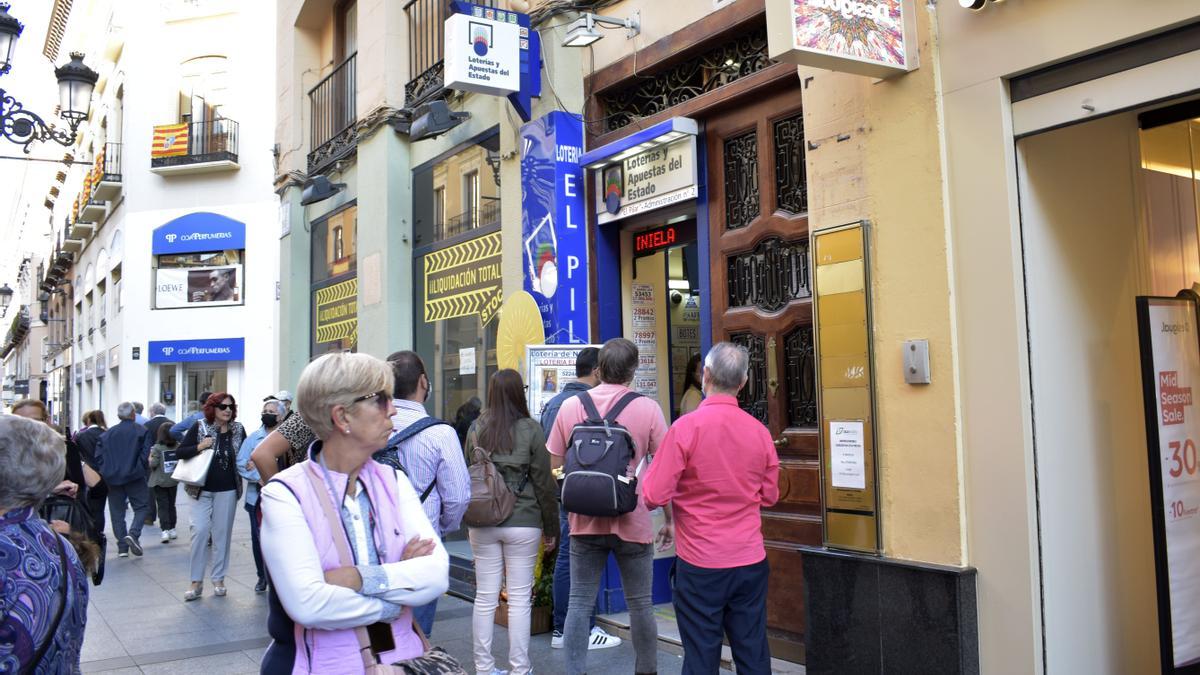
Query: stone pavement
139 623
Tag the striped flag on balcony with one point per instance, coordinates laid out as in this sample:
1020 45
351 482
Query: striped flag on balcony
170 140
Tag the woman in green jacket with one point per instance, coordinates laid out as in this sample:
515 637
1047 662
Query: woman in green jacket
510 549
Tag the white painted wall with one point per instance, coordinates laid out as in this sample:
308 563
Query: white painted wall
157 39
1084 266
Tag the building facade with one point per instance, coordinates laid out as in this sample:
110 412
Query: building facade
166 211
943 263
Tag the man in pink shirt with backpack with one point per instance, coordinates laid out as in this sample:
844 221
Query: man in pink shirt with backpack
618 430
718 467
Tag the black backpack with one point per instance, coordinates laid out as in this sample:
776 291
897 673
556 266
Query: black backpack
390 454
598 456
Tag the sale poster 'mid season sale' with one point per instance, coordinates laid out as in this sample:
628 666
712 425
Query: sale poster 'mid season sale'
1177 374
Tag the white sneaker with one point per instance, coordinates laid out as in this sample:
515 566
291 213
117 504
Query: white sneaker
601 639
166 536
173 534
556 639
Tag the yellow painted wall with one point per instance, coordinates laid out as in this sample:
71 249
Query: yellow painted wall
889 172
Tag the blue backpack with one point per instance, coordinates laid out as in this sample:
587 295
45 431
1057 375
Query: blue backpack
390 454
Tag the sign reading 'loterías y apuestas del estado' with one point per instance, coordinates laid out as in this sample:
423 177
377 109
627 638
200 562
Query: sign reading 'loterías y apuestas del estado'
483 51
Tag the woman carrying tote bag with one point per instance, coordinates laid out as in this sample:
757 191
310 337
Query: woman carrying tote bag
510 550
217 503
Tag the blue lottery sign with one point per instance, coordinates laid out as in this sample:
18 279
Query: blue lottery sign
554 225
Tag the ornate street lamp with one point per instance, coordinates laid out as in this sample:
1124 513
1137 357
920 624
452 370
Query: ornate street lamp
75 85
6 296
10 30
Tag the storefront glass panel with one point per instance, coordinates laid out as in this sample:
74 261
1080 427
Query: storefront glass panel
334 307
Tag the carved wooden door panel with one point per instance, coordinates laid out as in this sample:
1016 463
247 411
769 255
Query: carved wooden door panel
761 298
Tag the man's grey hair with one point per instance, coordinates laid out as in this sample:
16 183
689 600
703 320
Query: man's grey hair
32 461
137 405
125 411
276 405
157 409
728 365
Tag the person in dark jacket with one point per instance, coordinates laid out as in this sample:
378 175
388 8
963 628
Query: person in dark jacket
123 465
586 377
87 439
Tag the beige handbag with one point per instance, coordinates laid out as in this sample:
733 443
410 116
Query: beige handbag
435 660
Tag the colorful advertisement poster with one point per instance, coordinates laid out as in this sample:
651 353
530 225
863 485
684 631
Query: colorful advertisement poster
553 226
549 368
1171 373
863 37
176 287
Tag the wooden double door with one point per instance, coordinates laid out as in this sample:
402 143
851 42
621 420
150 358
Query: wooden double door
761 299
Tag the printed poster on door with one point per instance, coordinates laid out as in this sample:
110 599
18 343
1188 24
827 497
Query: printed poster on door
1171 372
549 368
645 337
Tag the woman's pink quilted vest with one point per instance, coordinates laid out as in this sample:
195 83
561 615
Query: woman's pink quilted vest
336 651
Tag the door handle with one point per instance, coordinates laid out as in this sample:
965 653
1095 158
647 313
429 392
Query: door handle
772 367
781 442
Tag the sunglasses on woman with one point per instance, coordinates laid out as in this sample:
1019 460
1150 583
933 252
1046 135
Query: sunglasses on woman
226 406
381 400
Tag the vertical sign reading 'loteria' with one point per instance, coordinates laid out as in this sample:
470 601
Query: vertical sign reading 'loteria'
554 246
1170 372
864 37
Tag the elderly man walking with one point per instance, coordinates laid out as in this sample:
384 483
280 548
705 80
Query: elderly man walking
718 468
122 461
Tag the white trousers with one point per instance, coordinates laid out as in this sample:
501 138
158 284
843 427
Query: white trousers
501 552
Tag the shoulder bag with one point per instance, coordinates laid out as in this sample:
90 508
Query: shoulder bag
435 660
194 471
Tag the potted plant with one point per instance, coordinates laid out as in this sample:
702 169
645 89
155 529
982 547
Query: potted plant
541 619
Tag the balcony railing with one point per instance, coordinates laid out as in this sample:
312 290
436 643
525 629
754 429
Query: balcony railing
426 48
487 214
107 185
334 113
211 145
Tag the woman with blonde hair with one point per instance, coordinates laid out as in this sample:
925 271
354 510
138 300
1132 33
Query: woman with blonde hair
344 537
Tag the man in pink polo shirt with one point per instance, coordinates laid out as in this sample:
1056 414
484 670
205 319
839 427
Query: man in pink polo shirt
628 537
718 468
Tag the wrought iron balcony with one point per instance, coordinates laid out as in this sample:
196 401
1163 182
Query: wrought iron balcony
487 214
108 171
334 115
195 147
426 49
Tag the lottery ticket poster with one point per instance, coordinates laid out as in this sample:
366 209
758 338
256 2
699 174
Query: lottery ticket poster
549 368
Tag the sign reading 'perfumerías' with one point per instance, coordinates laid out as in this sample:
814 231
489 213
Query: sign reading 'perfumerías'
864 37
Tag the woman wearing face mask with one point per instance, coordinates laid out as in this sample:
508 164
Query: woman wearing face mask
272 412
218 498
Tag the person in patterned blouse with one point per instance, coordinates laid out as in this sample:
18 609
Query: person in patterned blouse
43 586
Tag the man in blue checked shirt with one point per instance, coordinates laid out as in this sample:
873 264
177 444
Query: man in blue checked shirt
431 455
